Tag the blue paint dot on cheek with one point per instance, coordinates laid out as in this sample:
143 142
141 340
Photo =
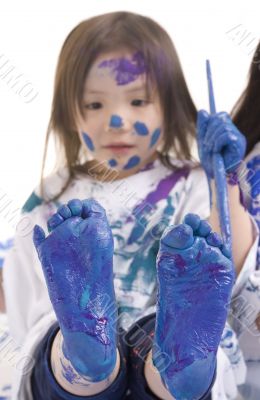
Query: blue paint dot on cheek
141 129
88 141
112 162
116 121
132 162
155 137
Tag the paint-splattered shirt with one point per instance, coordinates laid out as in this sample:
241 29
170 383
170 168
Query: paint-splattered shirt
138 208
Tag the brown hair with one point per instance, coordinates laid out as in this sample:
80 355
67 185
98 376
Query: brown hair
108 32
246 110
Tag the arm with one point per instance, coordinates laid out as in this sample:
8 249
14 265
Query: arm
217 134
241 225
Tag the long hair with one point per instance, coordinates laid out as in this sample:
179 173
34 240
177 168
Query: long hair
246 112
109 32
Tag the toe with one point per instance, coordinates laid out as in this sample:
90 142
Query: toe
214 239
38 235
64 211
55 220
226 251
178 237
75 207
204 228
193 220
90 207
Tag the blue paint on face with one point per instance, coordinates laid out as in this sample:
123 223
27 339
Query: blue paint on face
155 137
88 141
112 162
116 121
141 129
132 162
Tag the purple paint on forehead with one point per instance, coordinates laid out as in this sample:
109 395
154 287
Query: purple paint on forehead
126 70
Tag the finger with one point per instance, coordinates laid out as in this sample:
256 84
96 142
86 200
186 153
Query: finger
202 124
224 139
213 133
218 120
223 116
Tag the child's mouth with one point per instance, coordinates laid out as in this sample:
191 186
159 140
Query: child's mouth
120 148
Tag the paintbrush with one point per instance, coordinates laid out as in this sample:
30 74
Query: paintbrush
220 176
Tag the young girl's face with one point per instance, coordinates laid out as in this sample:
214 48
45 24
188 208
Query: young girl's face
122 127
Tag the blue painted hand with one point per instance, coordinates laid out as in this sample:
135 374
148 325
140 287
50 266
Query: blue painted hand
217 134
195 277
77 261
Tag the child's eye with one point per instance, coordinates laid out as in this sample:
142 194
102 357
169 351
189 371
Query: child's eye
93 106
139 102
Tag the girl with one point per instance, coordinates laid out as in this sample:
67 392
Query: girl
124 120
245 315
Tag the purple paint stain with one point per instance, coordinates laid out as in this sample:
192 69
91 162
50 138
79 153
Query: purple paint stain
126 70
162 190
179 261
68 373
198 257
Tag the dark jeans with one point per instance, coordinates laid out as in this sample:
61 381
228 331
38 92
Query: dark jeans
130 383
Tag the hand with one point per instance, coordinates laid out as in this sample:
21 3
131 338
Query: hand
217 134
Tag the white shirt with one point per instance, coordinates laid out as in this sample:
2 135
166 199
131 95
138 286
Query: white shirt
135 207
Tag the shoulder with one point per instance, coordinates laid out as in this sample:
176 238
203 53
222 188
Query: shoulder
52 185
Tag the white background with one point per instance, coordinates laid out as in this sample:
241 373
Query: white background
32 33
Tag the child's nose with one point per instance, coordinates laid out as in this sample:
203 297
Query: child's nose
117 122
